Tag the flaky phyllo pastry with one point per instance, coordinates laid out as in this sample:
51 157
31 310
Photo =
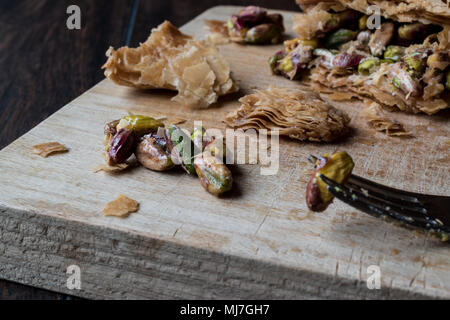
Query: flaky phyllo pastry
380 121
172 60
403 64
299 115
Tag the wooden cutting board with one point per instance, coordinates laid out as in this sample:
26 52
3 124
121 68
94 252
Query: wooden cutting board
259 242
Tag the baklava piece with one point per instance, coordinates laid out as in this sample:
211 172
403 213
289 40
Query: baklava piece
172 60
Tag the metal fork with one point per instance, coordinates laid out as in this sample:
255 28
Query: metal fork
423 211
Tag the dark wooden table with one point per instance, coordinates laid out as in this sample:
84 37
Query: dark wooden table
43 65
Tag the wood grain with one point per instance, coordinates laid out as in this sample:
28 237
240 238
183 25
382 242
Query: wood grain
260 242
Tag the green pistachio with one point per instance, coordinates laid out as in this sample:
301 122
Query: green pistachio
403 80
396 82
339 37
363 22
415 63
230 24
274 60
368 65
214 176
139 124
394 53
286 64
264 33
181 145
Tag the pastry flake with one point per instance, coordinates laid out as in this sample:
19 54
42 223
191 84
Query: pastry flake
172 60
122 207
296 114
50 148
380 121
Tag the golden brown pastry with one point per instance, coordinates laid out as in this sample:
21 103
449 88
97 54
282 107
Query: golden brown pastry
172 60
380 121
294 113
404 64
426 11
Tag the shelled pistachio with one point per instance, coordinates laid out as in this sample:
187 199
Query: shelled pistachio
214 175
339 37
152 152
121 147
415 63
139 124
368 65
403 80
254 25
394 53
181 146
412 31
264 33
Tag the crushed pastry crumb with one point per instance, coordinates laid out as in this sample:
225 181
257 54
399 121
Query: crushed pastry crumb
122 207
49 148
379 120
111 169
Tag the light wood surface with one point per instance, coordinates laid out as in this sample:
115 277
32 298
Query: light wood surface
258 242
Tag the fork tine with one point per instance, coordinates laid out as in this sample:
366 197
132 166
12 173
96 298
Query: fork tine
404 208
385 192
388 198
376 208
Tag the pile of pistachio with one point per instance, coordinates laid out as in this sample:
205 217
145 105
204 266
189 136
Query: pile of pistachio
255 26
347 42
160 149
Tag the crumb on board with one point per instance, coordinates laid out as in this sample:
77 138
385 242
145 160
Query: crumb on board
122 207
50 148
111 169
368 142
381 121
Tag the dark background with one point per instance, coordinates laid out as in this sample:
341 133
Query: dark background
43 65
